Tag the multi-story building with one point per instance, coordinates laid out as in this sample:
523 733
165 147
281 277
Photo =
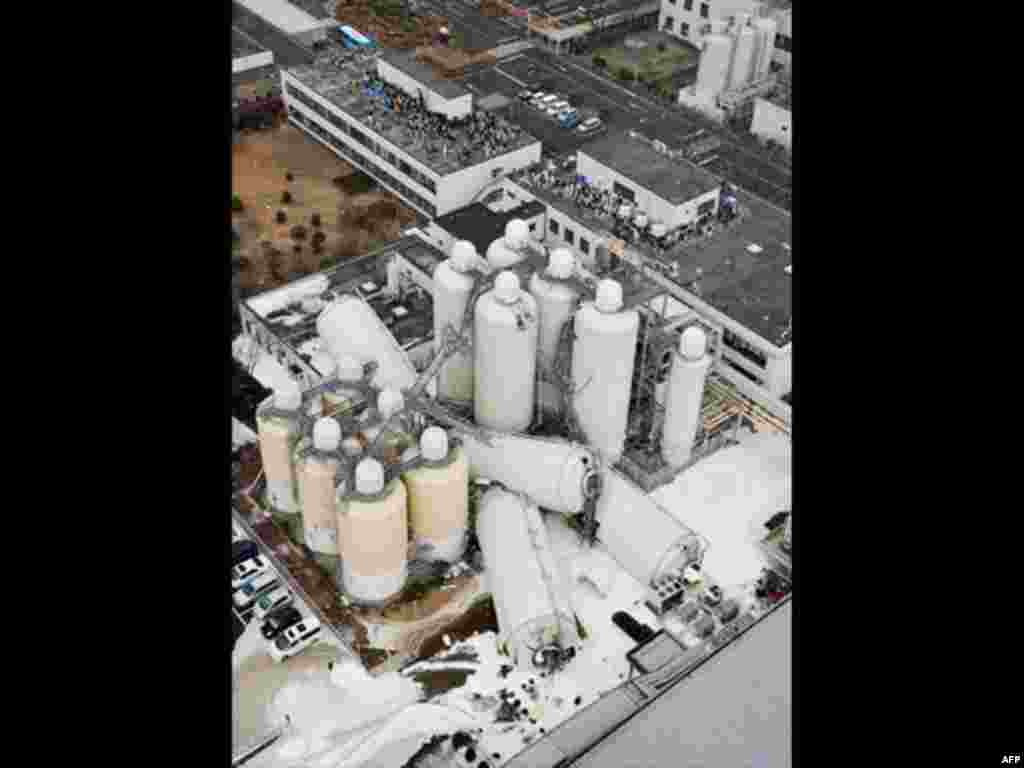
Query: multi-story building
418 134
247 54
690 19
735 276
290 19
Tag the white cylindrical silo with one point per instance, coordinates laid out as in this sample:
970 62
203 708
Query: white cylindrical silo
279 427
349 326
766 29
684 397
556 300
505 356
642 536
602 369
531 598
453 284
555 473
376 536
439 498
510 249
742 58
317 464
713 70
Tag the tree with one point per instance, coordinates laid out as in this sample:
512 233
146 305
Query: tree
286 197
282 217
625 73
236 204
289 177
599 61
299 232
315 220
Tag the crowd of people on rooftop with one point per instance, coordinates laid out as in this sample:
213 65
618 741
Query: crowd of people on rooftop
478 129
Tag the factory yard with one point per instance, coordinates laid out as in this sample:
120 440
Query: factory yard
352 223
639 53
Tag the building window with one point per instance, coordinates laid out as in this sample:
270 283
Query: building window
533 227
553 227
570 236
704 10
672 2
584 245
684 29
687 5
669 24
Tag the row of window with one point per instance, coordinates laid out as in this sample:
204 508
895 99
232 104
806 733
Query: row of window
569 236
737 344
688 6
684 28
784 43
378 149
363 163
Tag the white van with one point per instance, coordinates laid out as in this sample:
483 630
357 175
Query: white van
297 638
246 570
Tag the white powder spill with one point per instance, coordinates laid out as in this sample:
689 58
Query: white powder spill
728 497
409 728
310 347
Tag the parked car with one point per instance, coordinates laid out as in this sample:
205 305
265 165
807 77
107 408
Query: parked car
295 639
245 570
254 588
278 621
545 101
556 107
271 601
590 125
569 118
525 95
243 550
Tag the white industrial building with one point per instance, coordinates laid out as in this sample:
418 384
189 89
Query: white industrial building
399 129
290 19
691 20
667 196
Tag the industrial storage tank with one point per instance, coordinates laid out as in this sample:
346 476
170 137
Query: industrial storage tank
556 474
279 427
317 466
713 70
743 57
349 326
641 535
375 541
556 301
439 498
658 229
766 29
505 356
511 249
396 440
531 598
684 397
453 284
603 356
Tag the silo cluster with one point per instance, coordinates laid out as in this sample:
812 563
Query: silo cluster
736 54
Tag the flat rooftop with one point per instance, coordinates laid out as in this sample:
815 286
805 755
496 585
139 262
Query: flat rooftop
293 326
406 62
742 267
565 9
341 85
284 15
242 45
677 181
481 226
